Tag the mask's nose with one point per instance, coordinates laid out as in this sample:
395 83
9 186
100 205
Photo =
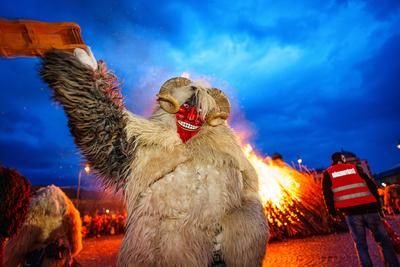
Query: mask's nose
192 115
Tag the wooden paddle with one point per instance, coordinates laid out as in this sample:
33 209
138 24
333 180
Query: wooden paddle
33 38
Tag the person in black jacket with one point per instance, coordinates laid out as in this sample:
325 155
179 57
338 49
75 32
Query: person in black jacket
349 190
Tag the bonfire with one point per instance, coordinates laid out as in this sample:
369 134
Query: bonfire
292 200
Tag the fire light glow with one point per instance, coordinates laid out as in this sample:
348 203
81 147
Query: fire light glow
185 75
274 180
292 200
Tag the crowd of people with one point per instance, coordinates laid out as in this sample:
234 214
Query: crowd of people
103 224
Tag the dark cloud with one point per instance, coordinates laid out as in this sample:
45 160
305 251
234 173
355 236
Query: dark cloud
286 29
302 120
39 162
381 76
307 78
21 84
378 102
382 8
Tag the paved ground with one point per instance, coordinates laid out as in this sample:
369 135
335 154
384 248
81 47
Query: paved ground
330 250
100 252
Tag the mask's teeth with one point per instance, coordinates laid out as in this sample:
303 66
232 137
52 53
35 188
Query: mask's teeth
187 125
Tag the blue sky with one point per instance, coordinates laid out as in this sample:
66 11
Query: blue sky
307 78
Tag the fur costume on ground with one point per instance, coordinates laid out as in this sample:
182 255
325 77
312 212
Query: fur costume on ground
52 217
14 203
184 199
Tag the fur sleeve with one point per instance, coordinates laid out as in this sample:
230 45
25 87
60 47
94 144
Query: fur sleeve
93 104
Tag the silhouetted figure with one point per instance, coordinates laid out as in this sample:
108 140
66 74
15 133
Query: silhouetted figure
14 203
277 156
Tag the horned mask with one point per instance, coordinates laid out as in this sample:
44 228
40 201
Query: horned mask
190 116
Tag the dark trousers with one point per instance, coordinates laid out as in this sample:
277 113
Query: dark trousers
358 225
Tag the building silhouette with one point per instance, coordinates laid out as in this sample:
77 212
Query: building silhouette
352 158
391 176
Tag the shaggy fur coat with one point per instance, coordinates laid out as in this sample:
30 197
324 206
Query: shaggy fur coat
52 216
183 200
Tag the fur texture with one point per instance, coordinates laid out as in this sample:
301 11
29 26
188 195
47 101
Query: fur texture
93 104
14 203
52 216
179 197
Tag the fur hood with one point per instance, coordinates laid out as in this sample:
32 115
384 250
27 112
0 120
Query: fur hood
51 216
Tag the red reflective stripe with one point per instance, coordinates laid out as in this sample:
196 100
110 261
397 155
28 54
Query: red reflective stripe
351 191
348 187
353 201
352 196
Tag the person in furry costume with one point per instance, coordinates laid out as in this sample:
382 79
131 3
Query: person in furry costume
191 194
52 222
14 203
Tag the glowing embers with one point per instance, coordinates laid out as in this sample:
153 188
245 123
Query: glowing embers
292 200
187 126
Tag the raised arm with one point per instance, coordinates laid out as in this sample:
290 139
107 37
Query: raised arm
96 117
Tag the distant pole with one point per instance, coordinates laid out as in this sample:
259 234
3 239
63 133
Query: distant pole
87 170
299 161
79 188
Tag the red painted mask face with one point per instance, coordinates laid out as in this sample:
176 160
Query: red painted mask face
188 121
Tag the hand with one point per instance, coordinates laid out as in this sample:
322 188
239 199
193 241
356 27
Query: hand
86 57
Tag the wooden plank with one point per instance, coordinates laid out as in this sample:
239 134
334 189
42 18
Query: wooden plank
34 38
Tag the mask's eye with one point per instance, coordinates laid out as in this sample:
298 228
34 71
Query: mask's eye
182 110
186 105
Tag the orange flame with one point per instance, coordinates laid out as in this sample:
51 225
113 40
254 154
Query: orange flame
275 181
292 200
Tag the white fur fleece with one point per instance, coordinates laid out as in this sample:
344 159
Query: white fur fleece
179 196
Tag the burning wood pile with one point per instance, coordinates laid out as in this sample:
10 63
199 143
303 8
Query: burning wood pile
293 201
